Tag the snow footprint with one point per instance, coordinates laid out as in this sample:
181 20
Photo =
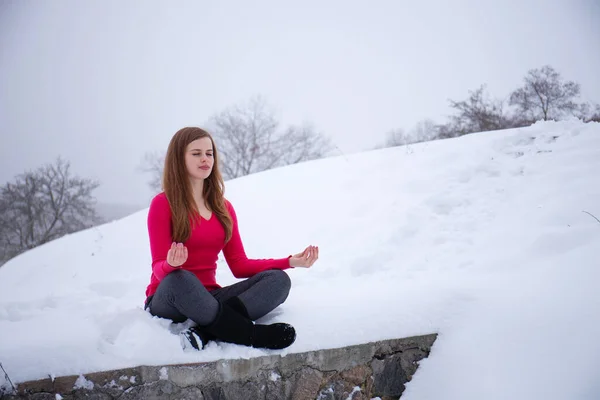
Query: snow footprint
114 289
19 311
446 205
127 333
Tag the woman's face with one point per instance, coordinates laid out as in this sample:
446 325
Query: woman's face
199 159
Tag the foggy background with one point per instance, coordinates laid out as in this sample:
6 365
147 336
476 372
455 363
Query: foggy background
101 83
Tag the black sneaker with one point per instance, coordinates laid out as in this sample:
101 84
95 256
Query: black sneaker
275 336
194 339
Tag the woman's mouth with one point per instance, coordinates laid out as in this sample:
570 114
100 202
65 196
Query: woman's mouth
205 167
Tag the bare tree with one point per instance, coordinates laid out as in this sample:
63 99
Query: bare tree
594 115
425 130
303 143
43 205
153 163
249 140
396 137
447 131
478 113
544 95
589 112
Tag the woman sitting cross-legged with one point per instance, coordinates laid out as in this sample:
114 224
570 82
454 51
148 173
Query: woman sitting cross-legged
189 223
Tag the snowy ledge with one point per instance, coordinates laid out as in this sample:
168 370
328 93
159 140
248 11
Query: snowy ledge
349 373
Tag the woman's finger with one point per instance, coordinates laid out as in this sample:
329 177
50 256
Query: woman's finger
309 259
306 252
179 253
315 254
172 251
170 257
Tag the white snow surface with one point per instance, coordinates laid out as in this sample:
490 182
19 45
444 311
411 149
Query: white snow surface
482 239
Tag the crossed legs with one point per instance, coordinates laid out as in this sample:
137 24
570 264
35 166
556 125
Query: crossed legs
181 295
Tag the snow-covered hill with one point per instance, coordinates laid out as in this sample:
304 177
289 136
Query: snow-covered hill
482 238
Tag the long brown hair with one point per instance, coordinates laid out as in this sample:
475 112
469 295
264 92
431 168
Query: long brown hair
178 189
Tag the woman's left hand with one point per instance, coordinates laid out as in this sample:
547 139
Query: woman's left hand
305 259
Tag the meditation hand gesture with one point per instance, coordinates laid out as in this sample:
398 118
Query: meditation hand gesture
305 259
177 255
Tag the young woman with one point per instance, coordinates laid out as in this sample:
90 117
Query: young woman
189 223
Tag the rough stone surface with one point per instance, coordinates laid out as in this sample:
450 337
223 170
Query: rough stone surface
307 383
63 384
389 376
246 390
369 386
342 385
379 369
81 394
274 385
359 396
42 385
395 363
190 393
154 391
356 375
43 396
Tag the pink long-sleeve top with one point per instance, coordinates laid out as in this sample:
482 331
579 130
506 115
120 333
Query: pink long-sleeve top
207 239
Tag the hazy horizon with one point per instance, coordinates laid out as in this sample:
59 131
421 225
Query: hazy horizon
102 83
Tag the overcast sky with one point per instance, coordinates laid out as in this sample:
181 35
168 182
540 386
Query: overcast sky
100 83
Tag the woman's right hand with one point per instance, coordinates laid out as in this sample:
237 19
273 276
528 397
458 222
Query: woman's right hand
177 255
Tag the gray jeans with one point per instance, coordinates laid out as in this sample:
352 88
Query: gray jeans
181 295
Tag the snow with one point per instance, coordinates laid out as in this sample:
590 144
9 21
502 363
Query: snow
274 377
483 239
164 375
82 383
354 390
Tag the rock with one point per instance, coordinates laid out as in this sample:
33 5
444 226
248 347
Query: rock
326 393
359 396
341 390
246 390
43 396
409 361
189 393
42 385
159 390
389 377
275 385
369 387
81 394
356 375
306 384
213 392
65 384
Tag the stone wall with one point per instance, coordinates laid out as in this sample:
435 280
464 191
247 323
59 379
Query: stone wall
361 372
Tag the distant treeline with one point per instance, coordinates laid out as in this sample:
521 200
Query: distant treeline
544 95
